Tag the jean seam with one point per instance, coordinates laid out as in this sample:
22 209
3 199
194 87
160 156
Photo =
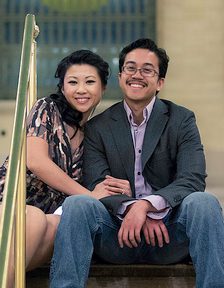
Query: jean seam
106 223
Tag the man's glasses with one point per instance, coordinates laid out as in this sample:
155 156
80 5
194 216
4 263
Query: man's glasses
145 71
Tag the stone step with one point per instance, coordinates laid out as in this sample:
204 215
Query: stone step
128 276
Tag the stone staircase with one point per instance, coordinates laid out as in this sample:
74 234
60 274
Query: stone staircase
128 276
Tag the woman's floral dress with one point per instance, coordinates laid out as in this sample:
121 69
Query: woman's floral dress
44 121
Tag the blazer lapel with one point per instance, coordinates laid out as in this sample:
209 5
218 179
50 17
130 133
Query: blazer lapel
154 129
120 129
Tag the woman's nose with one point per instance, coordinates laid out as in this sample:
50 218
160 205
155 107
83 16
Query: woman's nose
81 89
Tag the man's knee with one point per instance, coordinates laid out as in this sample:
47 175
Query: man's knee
201 201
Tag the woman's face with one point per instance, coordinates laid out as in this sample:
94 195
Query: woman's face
82 88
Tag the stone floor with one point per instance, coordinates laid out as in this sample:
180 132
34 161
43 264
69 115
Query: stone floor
153 276
142 282
126 282
126 276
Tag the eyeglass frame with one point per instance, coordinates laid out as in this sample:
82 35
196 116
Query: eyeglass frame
140 70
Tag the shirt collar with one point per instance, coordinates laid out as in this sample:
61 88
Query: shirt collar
146 112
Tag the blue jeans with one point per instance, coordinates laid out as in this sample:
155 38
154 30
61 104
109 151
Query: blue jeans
195 227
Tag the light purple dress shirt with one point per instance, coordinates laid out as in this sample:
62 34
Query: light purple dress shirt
143 190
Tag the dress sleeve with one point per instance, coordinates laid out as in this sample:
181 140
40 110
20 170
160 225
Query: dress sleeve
39 120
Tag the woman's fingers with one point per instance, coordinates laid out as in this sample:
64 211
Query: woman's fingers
117 190
117 185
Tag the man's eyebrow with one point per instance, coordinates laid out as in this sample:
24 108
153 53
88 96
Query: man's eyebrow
144 64
130 62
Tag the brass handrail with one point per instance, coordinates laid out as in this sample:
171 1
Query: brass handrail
15 186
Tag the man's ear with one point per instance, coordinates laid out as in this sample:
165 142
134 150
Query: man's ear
160 84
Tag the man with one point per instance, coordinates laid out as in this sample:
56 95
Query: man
155 146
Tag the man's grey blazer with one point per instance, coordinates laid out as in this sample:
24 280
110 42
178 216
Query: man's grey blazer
172 155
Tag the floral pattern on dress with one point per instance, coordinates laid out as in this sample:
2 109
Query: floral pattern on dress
44 121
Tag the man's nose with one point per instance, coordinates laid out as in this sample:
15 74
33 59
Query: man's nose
137 73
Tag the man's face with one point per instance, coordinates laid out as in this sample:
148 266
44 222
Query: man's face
141 86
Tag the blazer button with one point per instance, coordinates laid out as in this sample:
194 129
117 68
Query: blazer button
177 198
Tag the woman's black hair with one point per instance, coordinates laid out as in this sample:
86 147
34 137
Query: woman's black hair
69 114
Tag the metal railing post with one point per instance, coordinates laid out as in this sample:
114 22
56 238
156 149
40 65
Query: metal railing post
15 185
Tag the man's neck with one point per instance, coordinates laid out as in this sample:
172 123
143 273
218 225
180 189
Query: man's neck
137 111
138 116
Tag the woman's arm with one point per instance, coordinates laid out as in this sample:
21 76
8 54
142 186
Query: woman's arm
40 163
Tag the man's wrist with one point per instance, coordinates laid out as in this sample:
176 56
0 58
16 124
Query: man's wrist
147 206
127 209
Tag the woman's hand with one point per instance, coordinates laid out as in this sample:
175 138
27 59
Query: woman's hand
101 191
117 185
111 186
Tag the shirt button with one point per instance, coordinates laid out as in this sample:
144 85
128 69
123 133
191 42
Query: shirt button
139 151
139 173
140 195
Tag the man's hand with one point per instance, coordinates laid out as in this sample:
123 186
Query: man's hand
155 229
129 233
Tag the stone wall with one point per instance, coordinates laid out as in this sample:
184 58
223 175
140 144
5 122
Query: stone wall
192 32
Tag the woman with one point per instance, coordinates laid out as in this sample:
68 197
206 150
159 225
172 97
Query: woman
54 150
